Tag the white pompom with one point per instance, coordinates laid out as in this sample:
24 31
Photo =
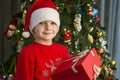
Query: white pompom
13 27
26 34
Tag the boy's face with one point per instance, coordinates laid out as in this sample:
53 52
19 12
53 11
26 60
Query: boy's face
45 31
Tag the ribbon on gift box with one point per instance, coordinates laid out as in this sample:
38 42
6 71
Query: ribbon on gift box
78 57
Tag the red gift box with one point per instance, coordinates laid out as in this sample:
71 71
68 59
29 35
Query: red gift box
78 67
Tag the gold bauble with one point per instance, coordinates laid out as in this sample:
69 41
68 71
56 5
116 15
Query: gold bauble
113 63
90 38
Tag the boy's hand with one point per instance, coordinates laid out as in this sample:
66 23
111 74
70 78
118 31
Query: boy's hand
83 52
97 71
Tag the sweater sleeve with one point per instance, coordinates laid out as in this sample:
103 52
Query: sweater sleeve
25 65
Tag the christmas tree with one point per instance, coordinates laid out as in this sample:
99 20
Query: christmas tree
80 30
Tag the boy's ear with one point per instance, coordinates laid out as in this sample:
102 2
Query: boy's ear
33 30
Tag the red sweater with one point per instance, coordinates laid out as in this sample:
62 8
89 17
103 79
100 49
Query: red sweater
37 61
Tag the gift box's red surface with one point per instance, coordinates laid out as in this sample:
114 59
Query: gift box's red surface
82 70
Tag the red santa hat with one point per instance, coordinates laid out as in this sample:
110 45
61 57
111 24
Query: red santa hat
39 11
13 24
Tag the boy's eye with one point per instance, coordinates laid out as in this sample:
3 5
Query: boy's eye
53 23
41 23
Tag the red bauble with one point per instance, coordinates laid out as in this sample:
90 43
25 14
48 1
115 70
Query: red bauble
67 35
90 11
97 19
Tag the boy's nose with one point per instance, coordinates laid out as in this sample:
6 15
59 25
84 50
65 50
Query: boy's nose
48 26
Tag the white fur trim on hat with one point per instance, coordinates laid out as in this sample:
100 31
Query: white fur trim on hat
43 14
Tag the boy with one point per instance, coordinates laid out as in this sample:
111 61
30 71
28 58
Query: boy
39 59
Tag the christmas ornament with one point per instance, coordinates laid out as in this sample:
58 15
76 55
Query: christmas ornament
95 12
13 24
103 42
90 38
90 11
8 32
67 37
99 34
77 21
67 34
97 19
113 63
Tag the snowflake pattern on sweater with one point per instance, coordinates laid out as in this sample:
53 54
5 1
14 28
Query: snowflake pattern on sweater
51 66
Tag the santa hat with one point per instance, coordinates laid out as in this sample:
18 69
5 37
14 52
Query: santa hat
9 32
39 11
13 24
